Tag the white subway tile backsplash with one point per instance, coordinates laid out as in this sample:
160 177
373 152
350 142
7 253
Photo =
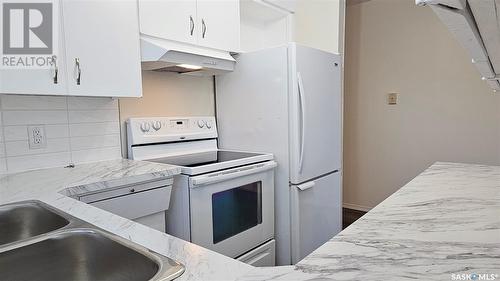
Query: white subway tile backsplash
3 166
1 126
80 143
30 162
2 150
92 155
77 130
19 102
18 148
94 129
83 103
17 133
93 116
34 117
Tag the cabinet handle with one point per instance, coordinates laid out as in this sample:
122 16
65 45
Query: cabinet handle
79 71
203 28
191 25
56 69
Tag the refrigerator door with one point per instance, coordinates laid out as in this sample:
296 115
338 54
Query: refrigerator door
316 208
315 113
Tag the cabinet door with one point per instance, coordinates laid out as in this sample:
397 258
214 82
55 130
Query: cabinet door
173 19
37 81
102 48
219 24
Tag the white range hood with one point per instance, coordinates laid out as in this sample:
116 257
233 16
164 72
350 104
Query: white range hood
476 25
170 56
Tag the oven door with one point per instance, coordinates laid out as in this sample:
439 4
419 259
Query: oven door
232 211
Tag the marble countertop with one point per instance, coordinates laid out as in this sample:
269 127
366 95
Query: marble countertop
47 185
445 221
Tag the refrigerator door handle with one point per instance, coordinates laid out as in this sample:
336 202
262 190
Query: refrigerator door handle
306 186
302 119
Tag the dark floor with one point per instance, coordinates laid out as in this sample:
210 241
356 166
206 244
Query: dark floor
349 216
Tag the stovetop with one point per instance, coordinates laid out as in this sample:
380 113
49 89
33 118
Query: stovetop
210 161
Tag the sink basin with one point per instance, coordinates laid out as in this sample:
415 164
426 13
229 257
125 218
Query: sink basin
39 242
24 220
84 254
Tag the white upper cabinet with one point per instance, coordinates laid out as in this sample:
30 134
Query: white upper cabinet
98 53
50 81
102 48
46 81
219 24
174 20
208 23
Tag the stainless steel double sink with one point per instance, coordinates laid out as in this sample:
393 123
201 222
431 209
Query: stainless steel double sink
38 242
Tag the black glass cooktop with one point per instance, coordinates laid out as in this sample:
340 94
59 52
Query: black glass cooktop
205 158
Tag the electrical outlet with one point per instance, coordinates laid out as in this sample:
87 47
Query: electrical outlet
392 99
36 136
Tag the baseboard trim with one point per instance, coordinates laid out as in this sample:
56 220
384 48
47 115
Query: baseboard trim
356 207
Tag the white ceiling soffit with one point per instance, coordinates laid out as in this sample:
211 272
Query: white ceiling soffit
476 28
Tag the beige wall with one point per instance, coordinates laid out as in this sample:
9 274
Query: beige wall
446 113
169 94
319 24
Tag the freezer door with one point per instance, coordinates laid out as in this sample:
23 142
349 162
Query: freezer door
315 113
316 208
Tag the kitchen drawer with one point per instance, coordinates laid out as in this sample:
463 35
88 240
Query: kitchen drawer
139 204
122 190
263 255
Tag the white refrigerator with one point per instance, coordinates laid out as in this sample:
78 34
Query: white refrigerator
287 100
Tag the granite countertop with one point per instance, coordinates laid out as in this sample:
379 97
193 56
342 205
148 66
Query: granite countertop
445 221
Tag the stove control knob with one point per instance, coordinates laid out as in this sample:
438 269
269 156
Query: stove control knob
201 124
208 124
156 125
145 127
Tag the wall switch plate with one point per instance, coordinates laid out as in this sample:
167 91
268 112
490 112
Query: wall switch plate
36 136
392 99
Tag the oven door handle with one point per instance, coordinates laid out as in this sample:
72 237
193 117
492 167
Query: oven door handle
231 174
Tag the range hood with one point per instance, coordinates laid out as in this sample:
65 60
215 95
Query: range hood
169 56
476 25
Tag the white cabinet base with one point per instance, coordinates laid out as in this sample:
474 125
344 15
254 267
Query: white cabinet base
155 221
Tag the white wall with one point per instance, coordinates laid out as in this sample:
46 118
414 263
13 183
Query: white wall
257 36
169 94
319 24
77 130
446 113
314 23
